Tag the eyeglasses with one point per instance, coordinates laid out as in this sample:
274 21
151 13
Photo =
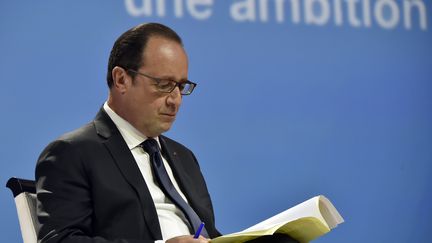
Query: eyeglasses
167 85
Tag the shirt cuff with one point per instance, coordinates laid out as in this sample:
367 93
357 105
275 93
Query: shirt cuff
160 241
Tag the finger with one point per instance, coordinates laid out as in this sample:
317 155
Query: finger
203 239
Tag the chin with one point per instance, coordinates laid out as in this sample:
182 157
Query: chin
165 128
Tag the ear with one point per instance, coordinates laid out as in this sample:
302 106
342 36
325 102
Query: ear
121 79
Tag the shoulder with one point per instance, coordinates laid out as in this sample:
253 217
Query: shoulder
72 145
96 130
81 138
84 133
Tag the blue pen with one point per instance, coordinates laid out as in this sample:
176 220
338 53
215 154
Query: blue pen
197 234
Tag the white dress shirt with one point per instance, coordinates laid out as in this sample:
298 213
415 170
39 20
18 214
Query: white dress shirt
172 220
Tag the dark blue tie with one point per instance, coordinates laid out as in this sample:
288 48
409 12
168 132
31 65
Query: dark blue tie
152 148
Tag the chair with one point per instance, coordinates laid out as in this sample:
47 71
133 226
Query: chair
24 192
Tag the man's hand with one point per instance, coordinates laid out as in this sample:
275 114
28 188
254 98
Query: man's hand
187 239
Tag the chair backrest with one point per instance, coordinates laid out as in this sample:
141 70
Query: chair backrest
24 192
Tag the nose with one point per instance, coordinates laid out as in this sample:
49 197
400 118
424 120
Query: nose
174 98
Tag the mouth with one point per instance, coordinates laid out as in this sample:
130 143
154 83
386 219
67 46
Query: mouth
168 115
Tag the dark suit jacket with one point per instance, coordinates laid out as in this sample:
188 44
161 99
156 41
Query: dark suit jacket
90 189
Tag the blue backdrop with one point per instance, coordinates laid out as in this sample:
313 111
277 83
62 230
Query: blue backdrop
294 99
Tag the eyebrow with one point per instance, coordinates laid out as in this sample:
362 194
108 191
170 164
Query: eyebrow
173 79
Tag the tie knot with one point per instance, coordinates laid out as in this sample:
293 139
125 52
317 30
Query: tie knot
150 146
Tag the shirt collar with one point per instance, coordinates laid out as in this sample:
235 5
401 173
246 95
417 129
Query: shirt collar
130 134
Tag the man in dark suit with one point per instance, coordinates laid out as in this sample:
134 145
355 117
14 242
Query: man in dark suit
117 179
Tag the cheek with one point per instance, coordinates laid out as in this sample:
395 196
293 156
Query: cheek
142 107
149 104
151 108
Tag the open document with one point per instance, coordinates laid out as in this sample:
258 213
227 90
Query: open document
303 222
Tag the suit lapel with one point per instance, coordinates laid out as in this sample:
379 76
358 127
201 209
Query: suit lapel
181 174
126 163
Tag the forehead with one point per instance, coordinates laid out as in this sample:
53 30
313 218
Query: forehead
159 49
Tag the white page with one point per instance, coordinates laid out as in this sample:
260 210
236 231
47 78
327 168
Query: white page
309 208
